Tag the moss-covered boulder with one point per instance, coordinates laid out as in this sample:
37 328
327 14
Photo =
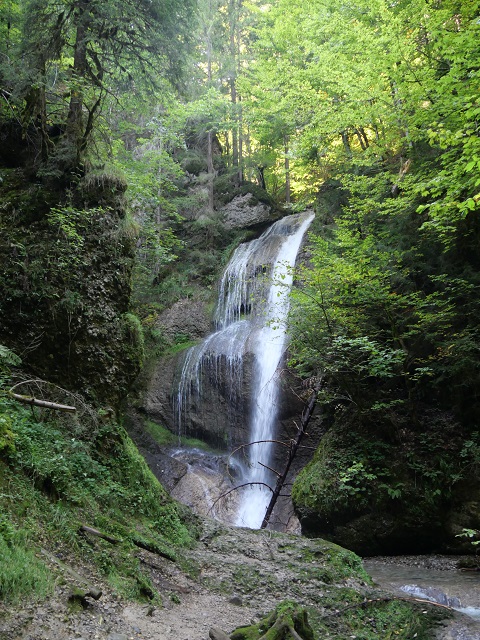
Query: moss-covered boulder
384 491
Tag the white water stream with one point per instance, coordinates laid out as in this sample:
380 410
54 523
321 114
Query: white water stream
251 314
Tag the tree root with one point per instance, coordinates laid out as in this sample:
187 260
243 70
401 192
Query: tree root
287 622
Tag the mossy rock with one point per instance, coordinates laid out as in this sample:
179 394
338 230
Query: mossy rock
193 163
67 265
377 495
226 189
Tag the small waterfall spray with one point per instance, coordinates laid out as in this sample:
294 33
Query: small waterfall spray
251 313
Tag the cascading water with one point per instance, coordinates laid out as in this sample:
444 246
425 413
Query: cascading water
250 317
269 348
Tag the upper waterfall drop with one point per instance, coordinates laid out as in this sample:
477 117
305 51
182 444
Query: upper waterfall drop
250 320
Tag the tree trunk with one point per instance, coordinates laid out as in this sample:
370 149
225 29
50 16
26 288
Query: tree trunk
240 141
294 445
74 131
363 134
232 11
289 621
287 173
211 170
210 167
346 143
261 177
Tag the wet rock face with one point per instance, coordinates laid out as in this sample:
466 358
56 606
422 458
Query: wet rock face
212 418
185 319
216 417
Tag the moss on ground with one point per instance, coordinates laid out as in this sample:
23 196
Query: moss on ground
164 437
60 475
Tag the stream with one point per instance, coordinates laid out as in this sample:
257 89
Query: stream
434 578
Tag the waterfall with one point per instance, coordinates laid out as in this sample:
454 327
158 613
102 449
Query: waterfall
250 317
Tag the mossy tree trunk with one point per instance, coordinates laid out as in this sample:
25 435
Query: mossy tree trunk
289 621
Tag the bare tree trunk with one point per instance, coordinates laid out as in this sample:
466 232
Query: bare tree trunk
74 131
287 172
240 141
232 10
233 98
210 167
294 445
211 170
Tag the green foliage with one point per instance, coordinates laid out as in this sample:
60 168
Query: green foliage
79 54
364 82
378 311
22 574
471 534
8 359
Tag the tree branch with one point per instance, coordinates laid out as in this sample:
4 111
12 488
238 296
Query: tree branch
42 403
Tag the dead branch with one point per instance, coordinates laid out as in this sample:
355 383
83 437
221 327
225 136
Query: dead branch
366 603
293 448
249 444
240 486
90 590
42 403
265 466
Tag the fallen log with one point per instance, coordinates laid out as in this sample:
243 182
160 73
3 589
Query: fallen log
99 534
36 402
150 546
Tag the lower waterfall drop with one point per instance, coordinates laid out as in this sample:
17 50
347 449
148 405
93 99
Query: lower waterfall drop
251 314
